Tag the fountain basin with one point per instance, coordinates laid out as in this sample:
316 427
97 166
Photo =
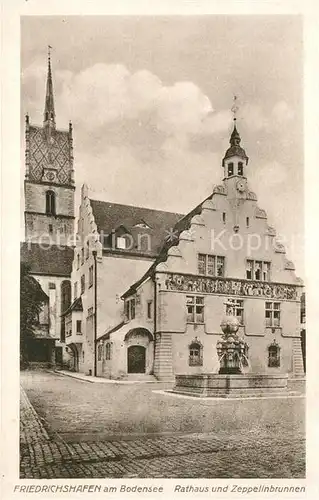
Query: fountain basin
232 386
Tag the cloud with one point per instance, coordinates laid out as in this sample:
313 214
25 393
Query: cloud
103 94
257 118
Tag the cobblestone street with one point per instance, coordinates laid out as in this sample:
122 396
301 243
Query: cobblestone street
76 429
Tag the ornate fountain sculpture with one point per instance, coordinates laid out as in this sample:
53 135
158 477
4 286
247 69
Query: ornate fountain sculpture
231 350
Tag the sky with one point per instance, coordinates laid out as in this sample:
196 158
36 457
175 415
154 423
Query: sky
150 101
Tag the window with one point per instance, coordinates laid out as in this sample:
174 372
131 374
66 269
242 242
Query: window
236 308
195 354
121 242
108 351
211 265
75 290
83 356
99 352
272 314
274 355
82 255
62 334
230 169
224 217
87 250
90 276
78 326
247 221
195 309
240 168
82 283
50 202
149 309
258 270
130 309
50 228
66 292
220 266
78 261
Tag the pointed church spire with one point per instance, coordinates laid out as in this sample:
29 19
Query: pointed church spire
49 113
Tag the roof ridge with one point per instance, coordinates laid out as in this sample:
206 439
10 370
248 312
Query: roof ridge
162 256
136 206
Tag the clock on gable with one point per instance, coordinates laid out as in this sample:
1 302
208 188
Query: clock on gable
241 186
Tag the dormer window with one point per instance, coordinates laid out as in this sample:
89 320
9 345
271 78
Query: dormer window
230 169
240 168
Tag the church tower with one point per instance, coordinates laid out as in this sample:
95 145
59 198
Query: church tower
49 187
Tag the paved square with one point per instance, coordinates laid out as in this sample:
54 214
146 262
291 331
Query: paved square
81 429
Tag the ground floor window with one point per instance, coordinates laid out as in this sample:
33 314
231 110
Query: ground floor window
274 355
108 351
99 352
195 353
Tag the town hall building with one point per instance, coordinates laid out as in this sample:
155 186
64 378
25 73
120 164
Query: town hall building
141 293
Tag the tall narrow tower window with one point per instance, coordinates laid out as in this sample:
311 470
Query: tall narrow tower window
240 168
230 169
50 202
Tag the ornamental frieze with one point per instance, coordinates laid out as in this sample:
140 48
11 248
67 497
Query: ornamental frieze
188 283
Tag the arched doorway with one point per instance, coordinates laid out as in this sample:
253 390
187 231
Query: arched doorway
139 351
136 359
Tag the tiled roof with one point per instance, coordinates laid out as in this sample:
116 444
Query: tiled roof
75 306
55 260
182 225
135 221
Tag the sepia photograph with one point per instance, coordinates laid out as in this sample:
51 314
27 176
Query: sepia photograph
162 275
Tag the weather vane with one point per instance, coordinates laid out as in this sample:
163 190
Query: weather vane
235 108
49 51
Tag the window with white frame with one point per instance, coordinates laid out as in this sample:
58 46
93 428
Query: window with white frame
121 242
211 265
195 309
195 353
78 326
235 307
274 355
130 309
258 270
272 313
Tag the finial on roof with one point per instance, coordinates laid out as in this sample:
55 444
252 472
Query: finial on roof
235 139
235 108
49 113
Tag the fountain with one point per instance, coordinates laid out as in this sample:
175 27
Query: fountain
231 381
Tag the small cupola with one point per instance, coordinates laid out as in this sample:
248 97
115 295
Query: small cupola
235 159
